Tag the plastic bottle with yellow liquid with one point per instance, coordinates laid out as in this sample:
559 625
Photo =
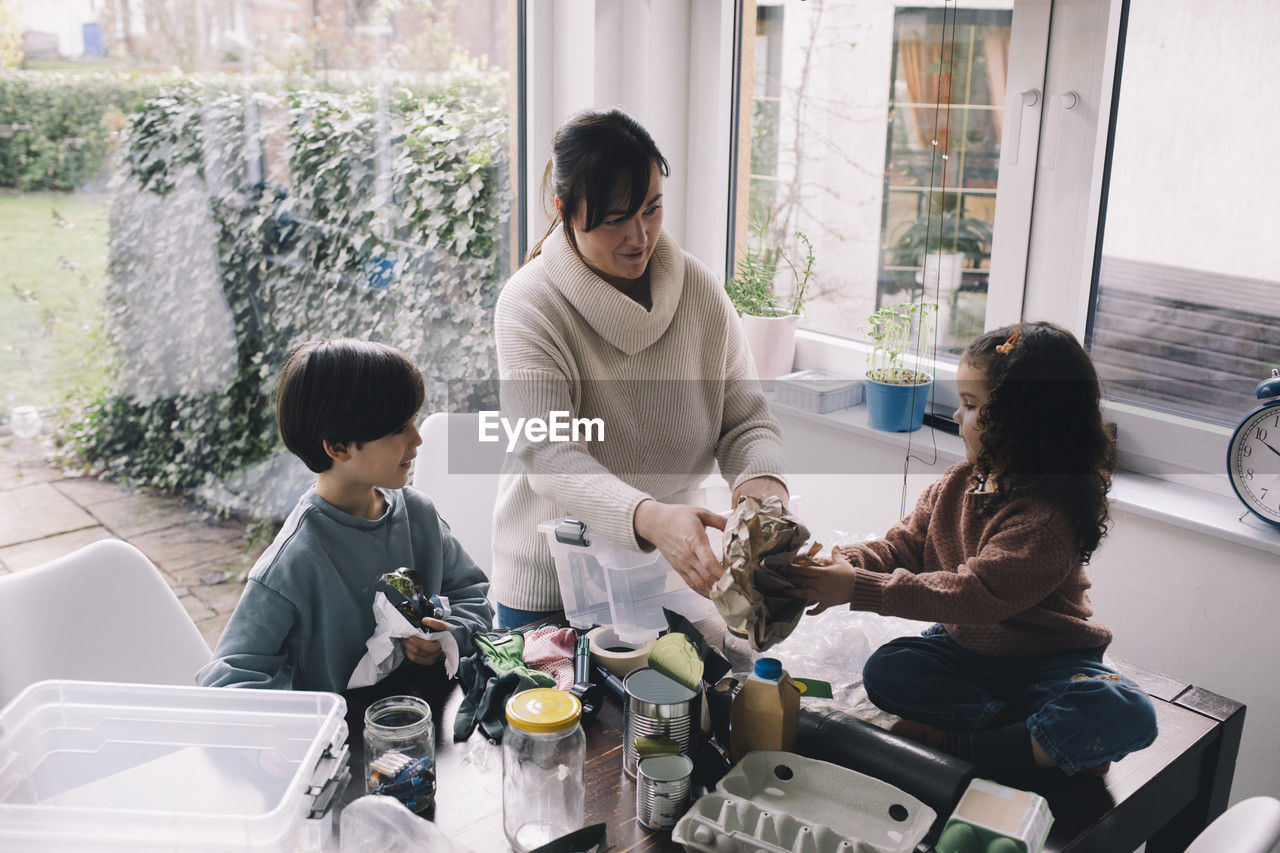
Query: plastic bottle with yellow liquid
766 711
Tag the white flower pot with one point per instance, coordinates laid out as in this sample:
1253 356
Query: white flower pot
941 280
772 342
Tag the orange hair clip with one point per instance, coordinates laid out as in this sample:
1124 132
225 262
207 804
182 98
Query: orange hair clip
1004 348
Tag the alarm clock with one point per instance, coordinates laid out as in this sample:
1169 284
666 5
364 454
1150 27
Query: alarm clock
1253 456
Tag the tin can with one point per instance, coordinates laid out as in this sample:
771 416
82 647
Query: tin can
662 790
656 706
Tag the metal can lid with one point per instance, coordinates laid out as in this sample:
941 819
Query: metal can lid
665 768
649 685
543 709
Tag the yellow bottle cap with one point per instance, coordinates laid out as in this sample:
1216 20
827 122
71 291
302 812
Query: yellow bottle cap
543 709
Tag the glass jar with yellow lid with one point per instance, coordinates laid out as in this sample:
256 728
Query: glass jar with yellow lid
543 752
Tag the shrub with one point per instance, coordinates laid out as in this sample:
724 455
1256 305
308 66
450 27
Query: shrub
57 131
384 217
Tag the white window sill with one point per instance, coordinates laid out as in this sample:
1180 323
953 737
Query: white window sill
1193 509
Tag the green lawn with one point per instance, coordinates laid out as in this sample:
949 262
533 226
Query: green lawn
53 253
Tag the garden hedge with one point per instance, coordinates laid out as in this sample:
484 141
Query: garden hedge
247 218
57 130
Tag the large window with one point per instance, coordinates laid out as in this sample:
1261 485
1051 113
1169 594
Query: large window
876 132
258 173
1186 313
1125 212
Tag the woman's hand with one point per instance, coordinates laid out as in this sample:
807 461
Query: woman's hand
680 533
422 651
760 488
826 586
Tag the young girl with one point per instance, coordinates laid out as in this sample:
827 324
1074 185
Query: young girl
994 551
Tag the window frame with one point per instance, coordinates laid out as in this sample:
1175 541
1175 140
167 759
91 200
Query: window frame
1048 224
1050 213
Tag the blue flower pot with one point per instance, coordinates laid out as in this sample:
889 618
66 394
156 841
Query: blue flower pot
897 408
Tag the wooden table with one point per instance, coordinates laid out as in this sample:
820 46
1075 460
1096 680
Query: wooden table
1164 795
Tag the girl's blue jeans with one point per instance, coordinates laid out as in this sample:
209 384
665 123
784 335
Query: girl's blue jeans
1081 712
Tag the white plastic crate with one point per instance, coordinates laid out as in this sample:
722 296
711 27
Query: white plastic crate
818 391
606 584
105 766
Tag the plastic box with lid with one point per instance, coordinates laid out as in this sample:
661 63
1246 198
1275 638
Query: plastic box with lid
108 766
818 391
605 584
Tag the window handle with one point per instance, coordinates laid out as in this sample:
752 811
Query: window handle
1017 105
1053 133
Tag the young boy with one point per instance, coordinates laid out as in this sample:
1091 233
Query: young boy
346 408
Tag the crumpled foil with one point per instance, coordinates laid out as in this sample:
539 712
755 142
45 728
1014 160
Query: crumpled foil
760 541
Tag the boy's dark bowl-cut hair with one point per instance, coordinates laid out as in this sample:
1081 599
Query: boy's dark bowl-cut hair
1043 431
344 390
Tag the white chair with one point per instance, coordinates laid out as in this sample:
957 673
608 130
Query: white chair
1250 826
464 500
103 613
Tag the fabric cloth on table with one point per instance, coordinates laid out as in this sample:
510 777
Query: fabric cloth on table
484 699
505 653
550 650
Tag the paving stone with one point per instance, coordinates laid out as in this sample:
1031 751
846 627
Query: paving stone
213 627
88 491
28 513
136 514
220 598
23 463
197 609
195 543
30 554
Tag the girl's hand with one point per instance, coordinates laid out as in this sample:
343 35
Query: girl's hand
680 533
760 488
422 651
825 586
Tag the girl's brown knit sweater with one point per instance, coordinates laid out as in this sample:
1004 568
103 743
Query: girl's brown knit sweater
1007 584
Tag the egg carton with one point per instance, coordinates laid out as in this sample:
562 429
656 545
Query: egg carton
779 802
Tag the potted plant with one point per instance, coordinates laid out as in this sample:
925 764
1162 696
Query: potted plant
941 241
898 387
769 319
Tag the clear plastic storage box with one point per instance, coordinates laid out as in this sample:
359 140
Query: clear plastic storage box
606 584
102 766
818 391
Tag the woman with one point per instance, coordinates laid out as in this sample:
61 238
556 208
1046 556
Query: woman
609 319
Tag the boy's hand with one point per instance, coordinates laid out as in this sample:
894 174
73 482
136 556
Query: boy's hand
421 650
826 586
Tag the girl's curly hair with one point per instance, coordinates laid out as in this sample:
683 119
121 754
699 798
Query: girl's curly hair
1042 431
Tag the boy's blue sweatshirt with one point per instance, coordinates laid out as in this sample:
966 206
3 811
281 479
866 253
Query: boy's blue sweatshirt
307 608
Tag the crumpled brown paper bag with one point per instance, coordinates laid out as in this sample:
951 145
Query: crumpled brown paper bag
760 542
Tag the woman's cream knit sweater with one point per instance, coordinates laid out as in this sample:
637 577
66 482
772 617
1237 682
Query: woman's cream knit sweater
673 386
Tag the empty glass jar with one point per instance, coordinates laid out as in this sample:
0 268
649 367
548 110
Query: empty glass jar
543 753
400 751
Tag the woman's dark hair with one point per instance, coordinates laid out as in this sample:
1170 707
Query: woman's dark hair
344 390
598 156
1043 432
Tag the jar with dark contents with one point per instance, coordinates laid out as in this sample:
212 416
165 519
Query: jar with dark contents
400 752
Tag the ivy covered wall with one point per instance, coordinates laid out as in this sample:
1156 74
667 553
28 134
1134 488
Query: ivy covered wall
247 218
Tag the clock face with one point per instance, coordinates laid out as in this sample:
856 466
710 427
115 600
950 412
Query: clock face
1253 462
